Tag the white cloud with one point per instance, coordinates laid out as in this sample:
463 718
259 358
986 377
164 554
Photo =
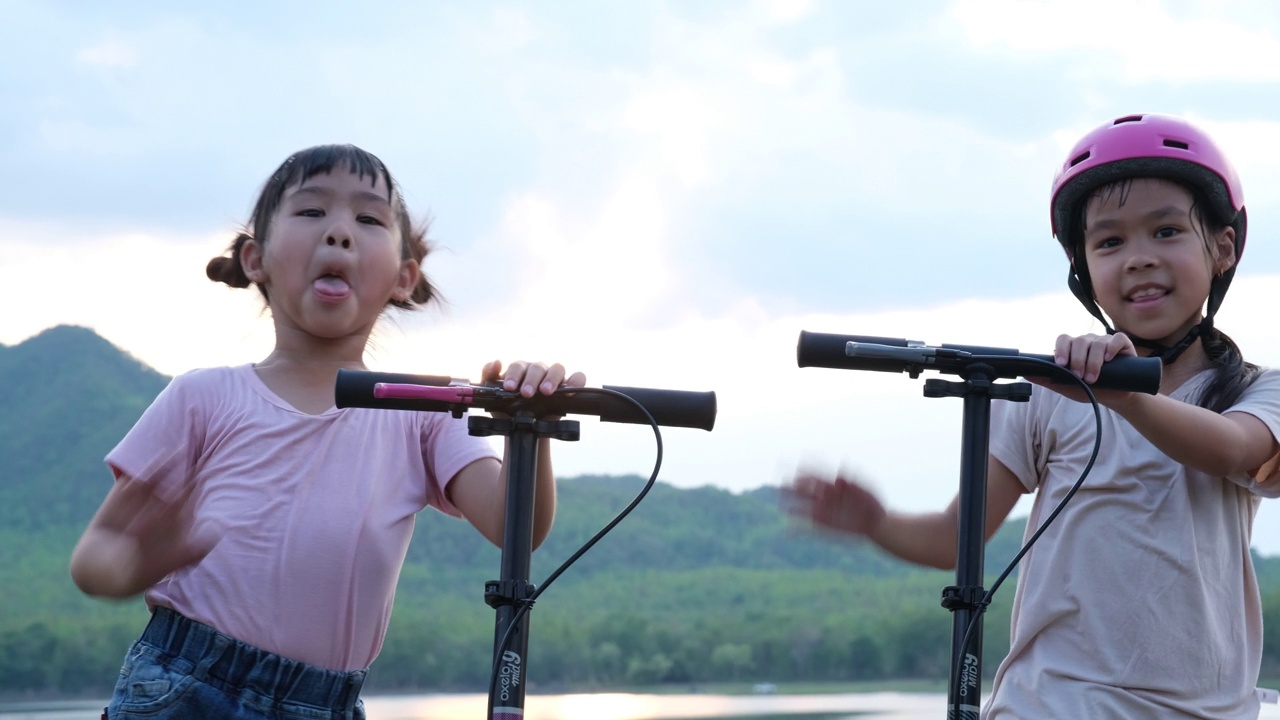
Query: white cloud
71 137
109 54
1149 41
589 265
511 30
787 10
147 294
678 118
730 107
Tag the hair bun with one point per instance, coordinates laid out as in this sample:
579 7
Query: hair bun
228 269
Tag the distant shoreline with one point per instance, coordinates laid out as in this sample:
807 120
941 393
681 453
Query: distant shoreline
55 703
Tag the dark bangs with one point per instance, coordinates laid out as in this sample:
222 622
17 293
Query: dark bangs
306 164
1202 212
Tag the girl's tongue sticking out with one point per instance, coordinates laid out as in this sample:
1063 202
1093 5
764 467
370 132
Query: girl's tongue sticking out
331 287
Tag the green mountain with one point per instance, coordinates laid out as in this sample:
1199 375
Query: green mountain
67 396
696 585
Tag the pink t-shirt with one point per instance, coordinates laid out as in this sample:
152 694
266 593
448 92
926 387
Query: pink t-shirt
314 512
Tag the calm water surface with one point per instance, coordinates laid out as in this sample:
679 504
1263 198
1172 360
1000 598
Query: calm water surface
607 706
621 706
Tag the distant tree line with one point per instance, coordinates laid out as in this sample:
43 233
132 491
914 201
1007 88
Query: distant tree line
730 626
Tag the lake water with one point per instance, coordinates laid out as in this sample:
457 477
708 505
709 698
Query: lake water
606 706
619 706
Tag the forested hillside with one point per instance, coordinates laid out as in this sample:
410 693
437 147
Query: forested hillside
698 585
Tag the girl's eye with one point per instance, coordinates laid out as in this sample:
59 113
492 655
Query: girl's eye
1107 243
1167 232
371 220
311 212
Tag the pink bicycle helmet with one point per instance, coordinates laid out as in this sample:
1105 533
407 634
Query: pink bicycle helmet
1145 146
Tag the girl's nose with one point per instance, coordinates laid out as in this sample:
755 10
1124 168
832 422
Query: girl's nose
339 234
1140 262
1140 258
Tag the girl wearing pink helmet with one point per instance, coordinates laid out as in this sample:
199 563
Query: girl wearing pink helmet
1140 600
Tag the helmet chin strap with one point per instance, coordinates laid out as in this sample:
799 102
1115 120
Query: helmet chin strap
1167 354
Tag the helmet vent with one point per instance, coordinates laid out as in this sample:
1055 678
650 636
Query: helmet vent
1176 144
1080 158
1127 119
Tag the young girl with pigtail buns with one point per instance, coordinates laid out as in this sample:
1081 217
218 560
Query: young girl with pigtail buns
266 527
1140 600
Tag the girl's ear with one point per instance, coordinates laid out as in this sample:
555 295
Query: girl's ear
406 281
251 262
1224 251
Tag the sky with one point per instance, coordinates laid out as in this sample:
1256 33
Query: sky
658 194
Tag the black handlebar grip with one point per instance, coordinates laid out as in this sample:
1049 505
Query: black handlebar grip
1127 372
354 388
670 408
827 350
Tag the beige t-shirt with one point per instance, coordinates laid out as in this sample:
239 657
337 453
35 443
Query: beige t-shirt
1140 600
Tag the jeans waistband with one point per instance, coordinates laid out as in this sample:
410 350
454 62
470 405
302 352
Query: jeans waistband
220 659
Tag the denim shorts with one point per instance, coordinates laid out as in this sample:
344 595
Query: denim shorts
184 670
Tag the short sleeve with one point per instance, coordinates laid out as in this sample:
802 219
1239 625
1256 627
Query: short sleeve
447 448
1261 400
163 447
1013 440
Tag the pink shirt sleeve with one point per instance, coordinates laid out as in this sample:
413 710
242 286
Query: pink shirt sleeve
162 449
447 448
